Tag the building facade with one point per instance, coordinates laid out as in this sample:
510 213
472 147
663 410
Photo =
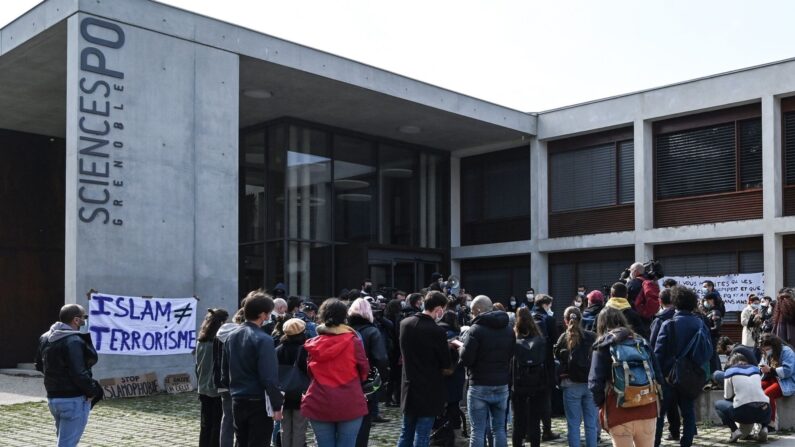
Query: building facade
150 151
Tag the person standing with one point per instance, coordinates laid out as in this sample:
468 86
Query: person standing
65 356
337 366
486 354
618 300
784 316
573 351
627 426
665 314
291 353
227 425
250 369
751 320
675 337
426 360
210 398
529 379
545 319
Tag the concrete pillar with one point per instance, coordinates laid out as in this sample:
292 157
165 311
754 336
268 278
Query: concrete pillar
771 157
455 202
539 271
539 186
643 252
773 262
644 178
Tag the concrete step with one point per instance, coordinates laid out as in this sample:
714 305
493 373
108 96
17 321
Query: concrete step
21 372
30 366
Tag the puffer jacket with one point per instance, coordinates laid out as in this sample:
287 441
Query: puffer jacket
66 356
337 366
488 349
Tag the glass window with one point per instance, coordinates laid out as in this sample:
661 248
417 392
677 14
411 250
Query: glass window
434 220
252 213
277 165
309 269
750 153
308 185
626 172
355 186
584 178
398 177
252 265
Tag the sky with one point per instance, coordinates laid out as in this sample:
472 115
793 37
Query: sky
528 55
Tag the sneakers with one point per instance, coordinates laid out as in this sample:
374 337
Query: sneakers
762 435
736 434
672 437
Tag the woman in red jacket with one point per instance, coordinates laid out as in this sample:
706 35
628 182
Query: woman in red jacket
337 366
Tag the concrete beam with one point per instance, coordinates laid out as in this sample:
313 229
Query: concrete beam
27 26
491 250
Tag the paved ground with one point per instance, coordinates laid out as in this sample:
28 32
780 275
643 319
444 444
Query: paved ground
165 420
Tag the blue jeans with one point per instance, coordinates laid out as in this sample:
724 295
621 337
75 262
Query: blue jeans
336 434
416 431
487 404
686 408
579 407
71 417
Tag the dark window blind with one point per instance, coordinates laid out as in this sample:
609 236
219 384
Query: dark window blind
583 178
789 265
789 148
696 162
752 261
626 172
751 153
562 286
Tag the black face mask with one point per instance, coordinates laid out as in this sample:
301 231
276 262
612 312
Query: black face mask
368 289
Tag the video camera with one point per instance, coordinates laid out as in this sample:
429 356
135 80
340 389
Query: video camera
652 269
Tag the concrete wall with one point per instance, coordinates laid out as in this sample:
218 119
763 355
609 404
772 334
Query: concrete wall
764 84
155 210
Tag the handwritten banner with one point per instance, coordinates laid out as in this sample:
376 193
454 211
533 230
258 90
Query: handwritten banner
127 325
733 289
130 386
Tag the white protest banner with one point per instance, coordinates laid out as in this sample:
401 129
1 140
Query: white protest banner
130 325
734 289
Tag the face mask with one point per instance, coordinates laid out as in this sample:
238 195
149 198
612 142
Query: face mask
707 306
768 352
581 294
578 303
704 290
764 304
755 306
550 313
439 317
513 303
530 297
83 327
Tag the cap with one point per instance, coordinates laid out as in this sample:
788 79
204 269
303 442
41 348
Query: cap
294 326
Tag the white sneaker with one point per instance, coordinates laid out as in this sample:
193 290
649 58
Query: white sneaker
736 434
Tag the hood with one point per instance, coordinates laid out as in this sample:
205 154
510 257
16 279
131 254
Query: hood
495 319
225 331
280 286
618 303
614 336
60 330
330 343
741 370
357 320
594 308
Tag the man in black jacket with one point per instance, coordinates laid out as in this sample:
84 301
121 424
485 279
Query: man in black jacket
65 356
486 354
426 358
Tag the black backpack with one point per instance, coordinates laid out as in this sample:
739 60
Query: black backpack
529 372
580 358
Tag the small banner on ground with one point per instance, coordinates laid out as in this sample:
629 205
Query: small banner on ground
178 383
130 386
733 289
129 325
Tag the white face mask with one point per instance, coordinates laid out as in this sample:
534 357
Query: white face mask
83 329
513 303
550 313
530 296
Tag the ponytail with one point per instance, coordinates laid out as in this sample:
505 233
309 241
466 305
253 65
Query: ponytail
573 316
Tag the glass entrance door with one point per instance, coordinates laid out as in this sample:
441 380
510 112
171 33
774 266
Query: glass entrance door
408 272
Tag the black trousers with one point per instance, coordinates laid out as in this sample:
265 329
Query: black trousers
527 413
211 412
367 422
253 426
674 421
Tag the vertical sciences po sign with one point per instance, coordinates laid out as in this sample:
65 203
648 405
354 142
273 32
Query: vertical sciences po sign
101 142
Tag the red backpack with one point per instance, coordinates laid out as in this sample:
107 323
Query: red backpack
647 303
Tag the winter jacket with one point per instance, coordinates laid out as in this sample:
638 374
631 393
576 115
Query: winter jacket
686 326
374 346
454 382
204 369
661 317
66 356
487 349
592 311
426 356
249 365
292 352
751 319
634 287
785 371
562 352
714 322
638 325
311 326
600 383
218 352
337 366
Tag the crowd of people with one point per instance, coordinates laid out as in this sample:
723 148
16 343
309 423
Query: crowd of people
623 364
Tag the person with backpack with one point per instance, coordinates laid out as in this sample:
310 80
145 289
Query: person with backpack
291 355
486 353
618 300
360 317
528 379
545 319
683 349
665 314
596 302
624 380
573 351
